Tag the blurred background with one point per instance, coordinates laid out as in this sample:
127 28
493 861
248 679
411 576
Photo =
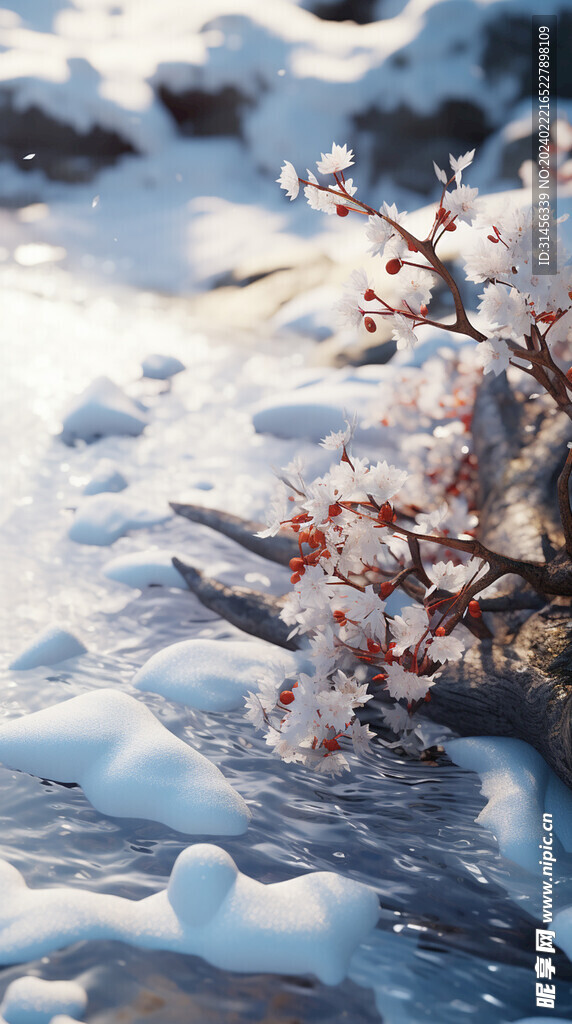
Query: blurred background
140 140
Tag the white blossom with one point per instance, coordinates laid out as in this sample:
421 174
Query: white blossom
494 355
441 175
288 180
409 628
459 163
402 332
401 684
461 203
337 160
447 576
446 648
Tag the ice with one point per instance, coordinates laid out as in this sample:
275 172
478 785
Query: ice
31 1000
128 764
102 518
102 409
309 924
145 569
106 477
160 367
214 675
520 788
51 646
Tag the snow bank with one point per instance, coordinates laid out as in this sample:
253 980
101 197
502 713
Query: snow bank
310 924
102 409
213 675
106 477
128 764
51 646
161 367
519 787
145 569
31 1000
103 518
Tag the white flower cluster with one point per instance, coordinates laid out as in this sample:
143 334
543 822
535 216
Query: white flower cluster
351 555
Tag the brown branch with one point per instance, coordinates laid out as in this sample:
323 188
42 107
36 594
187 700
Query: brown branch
564 502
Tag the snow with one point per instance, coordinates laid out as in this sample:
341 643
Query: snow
103 518
146 569
214 675
127 763
51 646
316 409
31 1000
102 409
106 476
309 924
520 788
160 367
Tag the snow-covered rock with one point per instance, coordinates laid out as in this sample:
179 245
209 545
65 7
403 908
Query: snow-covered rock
128 764
31 1000
106 477
309 924
51 646
102 518
214 675
159 367
102 409
520 788
145 569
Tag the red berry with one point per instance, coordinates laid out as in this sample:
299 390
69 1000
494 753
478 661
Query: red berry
440 631
385 514
370 325
296 564
393 266
569 374
423 310
373 646
286 697
475 610
295 578
331 745
334 510
369 294
411 247
451 226
385 589
342 211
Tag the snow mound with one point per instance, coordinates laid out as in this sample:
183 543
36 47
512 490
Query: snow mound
102 409
310 924
213 675
51 646
520 788
145 569
102 518
31 1000
128 764
161 367
534 1020
316 409
106 477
